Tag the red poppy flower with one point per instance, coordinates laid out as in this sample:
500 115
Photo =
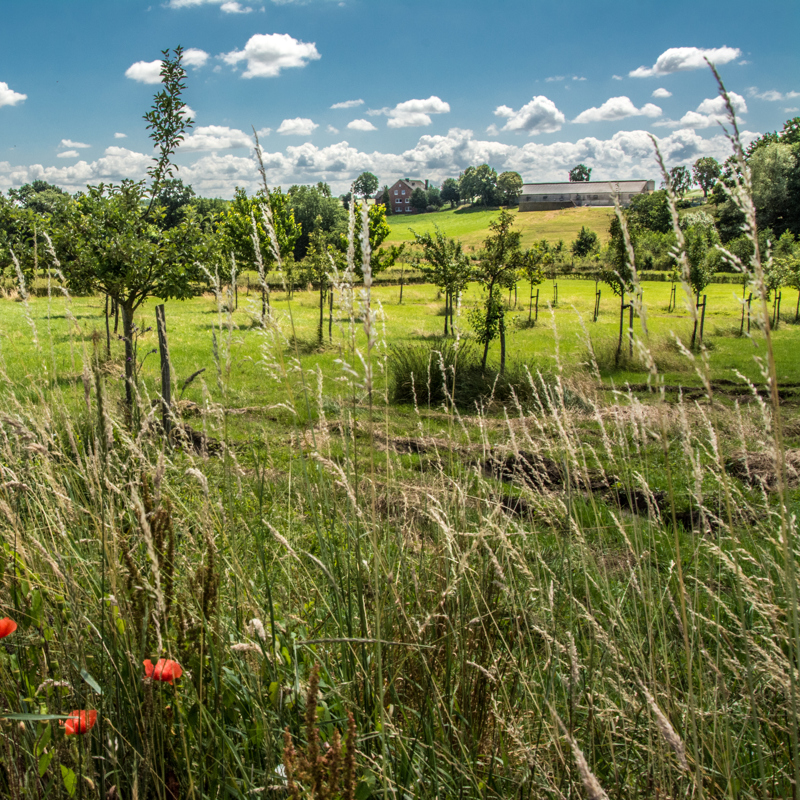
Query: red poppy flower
165 669
7 627
79 722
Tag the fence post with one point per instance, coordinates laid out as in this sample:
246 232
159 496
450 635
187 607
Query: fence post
630 329
778 311
596 305
166 389
749 301
536 316
703 318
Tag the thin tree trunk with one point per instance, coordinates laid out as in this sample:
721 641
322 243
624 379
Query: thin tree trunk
108 330
446 310
321 311
330 314
502 328
166 375
127 334
116 316
621 325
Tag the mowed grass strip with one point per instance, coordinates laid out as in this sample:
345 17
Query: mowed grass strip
471 225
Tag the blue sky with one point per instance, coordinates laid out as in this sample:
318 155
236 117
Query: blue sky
424 87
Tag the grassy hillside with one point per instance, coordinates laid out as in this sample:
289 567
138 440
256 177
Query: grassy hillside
471 225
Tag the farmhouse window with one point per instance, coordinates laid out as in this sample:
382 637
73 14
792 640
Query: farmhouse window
395 191
545 197
404 191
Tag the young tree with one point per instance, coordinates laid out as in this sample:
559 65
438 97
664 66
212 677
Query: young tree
450 192
681 180
706 171
235 232
580 174
317 267
618 273
500 260
365 184
509 187
419 199
585 244
122 250
534 261
447 267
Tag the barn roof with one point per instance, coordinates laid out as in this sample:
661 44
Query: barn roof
584 187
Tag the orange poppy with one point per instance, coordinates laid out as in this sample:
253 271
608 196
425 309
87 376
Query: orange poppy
7 627
79 722
165 670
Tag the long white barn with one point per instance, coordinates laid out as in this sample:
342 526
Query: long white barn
550 196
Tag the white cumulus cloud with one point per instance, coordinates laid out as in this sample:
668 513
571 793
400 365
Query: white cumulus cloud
677 59
145 71
73 145
267 54
540 115
331 129
299 126
8 97
412 113
228 6
661 92
771 94
616 108
361 125
215 137
348 104
626 154
194 57
120 135
710 113
68 154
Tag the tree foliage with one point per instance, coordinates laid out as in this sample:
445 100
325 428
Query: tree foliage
419 199
500 259
314 207
581 173
478 182
681 180
585 244
366 184
450 192
445 265
509 187
706 172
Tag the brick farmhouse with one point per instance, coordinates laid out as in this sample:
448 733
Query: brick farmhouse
400 195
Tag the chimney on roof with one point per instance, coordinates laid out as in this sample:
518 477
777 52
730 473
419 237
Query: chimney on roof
426 184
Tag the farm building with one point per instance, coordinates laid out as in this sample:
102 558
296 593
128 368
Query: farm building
550 196
400 195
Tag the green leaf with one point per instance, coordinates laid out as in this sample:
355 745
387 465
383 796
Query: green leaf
44 762
91 681
69 780
43 740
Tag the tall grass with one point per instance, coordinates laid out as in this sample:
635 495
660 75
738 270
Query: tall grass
553 599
